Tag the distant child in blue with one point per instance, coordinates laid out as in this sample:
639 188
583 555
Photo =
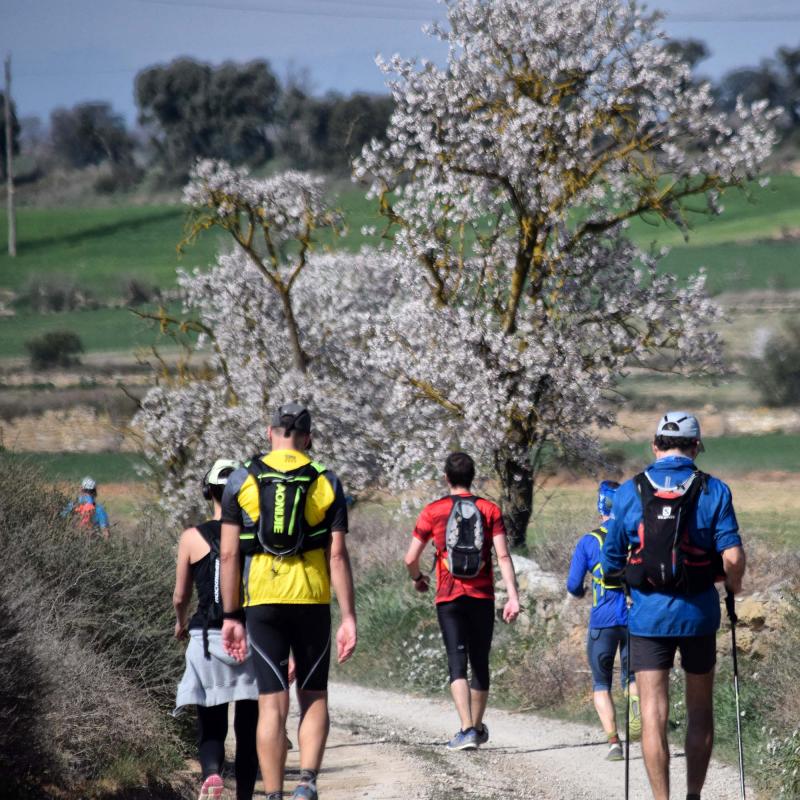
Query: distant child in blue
607 625
89 515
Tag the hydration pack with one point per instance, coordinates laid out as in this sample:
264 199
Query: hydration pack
666 559
464 538
84 514
599 581
282 527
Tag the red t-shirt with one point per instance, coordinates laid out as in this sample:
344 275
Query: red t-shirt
432 523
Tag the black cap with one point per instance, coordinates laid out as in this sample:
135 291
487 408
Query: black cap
292 417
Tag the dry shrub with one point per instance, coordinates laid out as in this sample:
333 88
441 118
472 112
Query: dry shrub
24 754
56 292
555 542
769 566
378 538
541 668
91 664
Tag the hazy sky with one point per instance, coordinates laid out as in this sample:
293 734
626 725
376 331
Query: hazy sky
68 51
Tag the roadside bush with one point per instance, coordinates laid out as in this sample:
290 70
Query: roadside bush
86 636
54 349
776 375
55 293
120 178
136 292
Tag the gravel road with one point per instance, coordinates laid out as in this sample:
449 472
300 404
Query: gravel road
389 746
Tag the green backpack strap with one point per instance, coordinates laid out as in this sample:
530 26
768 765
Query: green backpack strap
599 583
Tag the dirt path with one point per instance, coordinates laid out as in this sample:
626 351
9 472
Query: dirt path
389 746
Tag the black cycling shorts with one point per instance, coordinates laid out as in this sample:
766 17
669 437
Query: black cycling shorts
698 653
276 629
467 625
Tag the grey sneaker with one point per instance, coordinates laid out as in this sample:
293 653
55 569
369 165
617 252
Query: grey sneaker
305 791
615 752
483 734
464 740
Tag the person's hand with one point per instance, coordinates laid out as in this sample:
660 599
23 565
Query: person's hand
733 585
291 669
180 631
234 639
511 610
346 639
423 584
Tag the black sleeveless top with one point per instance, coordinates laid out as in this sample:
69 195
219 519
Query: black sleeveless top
205 574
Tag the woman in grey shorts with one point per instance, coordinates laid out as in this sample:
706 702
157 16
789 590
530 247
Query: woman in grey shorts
212 679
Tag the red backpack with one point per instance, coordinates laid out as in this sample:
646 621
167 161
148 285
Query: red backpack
84 514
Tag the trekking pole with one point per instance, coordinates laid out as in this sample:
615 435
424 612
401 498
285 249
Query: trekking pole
628 699
730 605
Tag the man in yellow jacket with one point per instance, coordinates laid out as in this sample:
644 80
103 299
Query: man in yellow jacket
287 516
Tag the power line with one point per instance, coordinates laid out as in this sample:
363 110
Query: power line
295 11
732 18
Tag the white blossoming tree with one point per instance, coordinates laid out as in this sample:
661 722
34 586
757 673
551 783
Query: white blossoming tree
279 319
508 177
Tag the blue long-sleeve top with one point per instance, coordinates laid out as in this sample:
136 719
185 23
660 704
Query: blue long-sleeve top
713 526
608 605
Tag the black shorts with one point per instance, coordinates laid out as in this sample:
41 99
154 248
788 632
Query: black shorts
305 630
698 653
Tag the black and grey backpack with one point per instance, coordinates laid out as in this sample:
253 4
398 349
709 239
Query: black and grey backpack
464 537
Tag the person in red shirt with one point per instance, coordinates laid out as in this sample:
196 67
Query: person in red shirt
465 606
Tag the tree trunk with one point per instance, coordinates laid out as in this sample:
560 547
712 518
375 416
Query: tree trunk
299 358
516 480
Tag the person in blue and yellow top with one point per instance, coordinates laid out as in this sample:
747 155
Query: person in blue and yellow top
284 596
608 622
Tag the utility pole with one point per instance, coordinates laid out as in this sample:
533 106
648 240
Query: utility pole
12 217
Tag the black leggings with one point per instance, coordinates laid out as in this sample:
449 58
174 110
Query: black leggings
467 625
212 728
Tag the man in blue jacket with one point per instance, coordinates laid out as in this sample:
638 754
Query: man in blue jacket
684 616
608 623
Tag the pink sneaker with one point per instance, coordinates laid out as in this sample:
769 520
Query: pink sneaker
212 788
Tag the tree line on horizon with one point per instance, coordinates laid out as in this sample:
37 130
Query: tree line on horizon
243 113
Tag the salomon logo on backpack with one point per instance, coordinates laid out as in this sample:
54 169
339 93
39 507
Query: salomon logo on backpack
666 559
282 527
464 538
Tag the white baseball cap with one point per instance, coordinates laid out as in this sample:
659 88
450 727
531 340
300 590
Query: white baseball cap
88 484
680 425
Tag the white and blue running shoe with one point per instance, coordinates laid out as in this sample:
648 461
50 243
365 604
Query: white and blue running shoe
464 740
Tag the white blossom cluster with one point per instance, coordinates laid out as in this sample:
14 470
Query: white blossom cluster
287 205
222 410
510 175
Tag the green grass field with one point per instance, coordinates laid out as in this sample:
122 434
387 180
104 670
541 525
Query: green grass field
731 455
102 329
103 248
71 467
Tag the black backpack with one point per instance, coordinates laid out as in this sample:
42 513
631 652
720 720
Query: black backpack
282 527
464 537
212 610
666 560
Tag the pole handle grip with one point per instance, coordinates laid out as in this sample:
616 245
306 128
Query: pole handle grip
730 605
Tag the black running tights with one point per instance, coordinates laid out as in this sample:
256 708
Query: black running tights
212 728
467 624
